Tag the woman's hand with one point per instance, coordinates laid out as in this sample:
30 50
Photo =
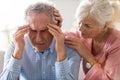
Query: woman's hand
58 17
76 43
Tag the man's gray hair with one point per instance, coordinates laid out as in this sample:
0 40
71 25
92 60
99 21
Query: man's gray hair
41 7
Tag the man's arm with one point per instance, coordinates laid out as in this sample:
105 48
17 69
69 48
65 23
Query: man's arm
12 66
69 68
13 56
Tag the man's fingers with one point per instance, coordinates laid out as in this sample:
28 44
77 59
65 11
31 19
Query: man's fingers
22 27
57 28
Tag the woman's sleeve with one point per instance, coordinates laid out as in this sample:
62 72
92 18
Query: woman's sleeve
110 70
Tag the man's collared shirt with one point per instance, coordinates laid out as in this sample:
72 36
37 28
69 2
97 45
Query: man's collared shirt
40 66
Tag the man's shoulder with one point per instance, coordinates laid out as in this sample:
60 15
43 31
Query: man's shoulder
70 50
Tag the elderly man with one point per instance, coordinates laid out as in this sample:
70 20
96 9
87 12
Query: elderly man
38 51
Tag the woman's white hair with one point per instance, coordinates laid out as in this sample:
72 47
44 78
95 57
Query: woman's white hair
99 10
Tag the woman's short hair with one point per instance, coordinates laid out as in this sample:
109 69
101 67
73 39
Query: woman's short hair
99 10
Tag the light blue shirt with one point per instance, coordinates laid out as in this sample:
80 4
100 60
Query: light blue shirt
40 66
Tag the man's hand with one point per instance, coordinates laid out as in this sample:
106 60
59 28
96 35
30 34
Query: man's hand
19 42
59 36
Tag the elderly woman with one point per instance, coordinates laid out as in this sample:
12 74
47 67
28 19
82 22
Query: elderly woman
97 41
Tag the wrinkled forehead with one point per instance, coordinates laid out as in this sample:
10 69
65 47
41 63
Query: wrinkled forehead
89 20
38 21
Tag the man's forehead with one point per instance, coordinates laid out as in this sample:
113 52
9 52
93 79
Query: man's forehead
38 15
38 25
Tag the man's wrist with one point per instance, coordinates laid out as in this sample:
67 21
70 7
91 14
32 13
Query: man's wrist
17 54
61 57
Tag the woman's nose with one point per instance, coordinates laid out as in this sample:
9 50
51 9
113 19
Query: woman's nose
81 27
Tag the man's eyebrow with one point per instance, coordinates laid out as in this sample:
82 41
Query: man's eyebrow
31 28
44 29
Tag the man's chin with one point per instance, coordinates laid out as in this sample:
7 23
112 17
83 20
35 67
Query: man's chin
39 49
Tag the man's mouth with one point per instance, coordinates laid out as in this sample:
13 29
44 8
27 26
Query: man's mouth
40 43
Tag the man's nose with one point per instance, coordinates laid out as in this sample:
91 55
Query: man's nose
38 37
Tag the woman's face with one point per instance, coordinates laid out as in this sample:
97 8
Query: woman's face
90 28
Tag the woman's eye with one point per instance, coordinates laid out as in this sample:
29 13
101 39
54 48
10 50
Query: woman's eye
87 25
